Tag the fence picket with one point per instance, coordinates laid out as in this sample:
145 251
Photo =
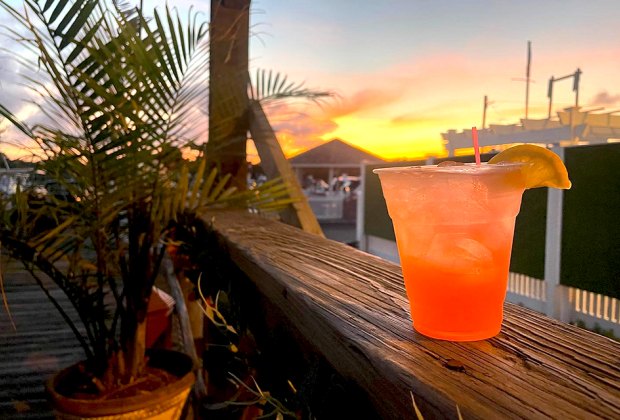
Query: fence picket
591 308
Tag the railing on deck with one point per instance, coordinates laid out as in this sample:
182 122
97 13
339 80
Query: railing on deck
527 291
575 305
351 307
328 207
598 306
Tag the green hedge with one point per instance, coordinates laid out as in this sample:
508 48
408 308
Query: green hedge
528 247
591 230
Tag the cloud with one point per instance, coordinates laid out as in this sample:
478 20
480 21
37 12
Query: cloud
415 99
427 114
361 100
13 94
604 98
298 128
16 98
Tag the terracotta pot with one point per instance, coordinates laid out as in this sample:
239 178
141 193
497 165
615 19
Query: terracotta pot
162 404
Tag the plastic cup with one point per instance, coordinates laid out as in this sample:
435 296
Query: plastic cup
454 227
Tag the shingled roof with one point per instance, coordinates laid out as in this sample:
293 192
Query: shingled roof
335 152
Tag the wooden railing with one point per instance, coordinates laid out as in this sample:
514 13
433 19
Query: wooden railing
352 308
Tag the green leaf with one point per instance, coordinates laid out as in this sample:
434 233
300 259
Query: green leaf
68 17
53 233
47 5
172 63
57 10
15 121
182 189
182 39
219 187
194 199
173 36
79 24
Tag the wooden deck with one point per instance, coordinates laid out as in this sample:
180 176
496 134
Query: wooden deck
352 308
39 345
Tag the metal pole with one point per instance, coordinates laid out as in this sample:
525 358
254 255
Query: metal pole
550 95
527 77
576 86
484 111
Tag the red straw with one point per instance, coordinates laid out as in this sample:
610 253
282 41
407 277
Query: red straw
474 136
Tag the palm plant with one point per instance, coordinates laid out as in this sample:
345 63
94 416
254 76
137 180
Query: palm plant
119 91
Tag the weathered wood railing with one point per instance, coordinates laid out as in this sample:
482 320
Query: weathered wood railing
351 307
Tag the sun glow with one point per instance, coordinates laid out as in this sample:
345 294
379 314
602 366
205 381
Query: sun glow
387 139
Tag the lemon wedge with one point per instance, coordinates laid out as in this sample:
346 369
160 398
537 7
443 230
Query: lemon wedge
542 168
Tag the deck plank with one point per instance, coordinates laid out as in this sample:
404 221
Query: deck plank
40 345
352 306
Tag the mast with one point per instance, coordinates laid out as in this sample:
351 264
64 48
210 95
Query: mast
527 77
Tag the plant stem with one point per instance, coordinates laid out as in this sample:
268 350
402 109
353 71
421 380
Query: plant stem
136 350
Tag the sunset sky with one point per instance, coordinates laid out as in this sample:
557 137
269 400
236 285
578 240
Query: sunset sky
406 70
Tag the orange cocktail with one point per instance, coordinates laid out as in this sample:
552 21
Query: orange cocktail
454 227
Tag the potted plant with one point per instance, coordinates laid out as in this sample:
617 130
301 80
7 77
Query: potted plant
118 91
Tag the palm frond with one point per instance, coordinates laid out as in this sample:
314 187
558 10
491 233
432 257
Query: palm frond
269 86
117 88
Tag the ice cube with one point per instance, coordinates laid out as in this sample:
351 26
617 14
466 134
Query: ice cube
457 253
472 250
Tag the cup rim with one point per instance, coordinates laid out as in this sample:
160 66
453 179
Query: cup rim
466 169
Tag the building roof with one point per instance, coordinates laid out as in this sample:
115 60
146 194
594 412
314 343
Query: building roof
335 152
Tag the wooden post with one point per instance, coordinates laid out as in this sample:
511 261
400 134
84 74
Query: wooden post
228 98
274 164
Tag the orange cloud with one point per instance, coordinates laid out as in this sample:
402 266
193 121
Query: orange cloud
403 109
362 100
297 127
438 114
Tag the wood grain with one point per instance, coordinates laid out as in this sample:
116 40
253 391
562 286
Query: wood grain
40 345
352 307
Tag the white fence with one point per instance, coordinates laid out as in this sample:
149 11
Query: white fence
574 305
527 291
327 207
